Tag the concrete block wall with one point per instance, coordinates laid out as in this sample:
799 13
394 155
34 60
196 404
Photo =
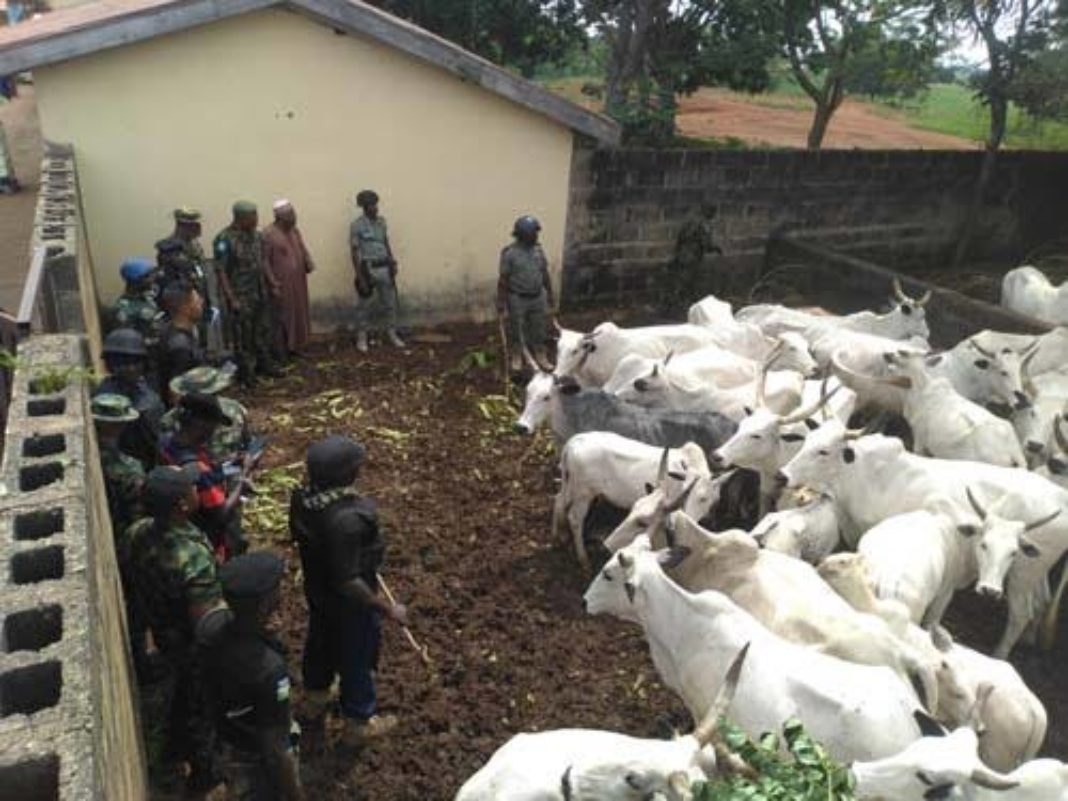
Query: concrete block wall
901 208
68 720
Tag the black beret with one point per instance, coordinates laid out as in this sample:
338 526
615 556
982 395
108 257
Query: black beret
329 460
169 245
201 406
250 576
164 486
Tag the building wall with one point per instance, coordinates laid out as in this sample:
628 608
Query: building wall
273 104
902 208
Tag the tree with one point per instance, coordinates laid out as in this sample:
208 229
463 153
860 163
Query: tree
658 49
524 34
828 41
1012 31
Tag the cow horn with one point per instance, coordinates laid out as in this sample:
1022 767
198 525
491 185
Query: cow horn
661 472
667 359
988 353
556 324
709 727
979 510
899 381
1042 521
899 293
925 298
680 501
804 413
992 781
1058 434
1025 374
1032 347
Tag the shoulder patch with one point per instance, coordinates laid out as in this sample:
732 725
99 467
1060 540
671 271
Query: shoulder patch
281 689
222 246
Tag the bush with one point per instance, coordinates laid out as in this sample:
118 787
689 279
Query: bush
804 773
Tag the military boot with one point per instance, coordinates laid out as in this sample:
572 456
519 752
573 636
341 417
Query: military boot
394 337
361 342
361 732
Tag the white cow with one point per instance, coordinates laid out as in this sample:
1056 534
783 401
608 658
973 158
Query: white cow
856 711
944 423
599 352
1050 349
947 766
602 465
766 440
809 532
787 596
989 693
592 765
873 478
905 320
1034 421
1056 467
1028 291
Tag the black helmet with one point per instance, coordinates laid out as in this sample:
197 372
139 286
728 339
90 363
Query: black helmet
526 225
124 342
334 461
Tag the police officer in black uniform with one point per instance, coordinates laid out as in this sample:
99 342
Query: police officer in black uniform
125 357
249 688
341 549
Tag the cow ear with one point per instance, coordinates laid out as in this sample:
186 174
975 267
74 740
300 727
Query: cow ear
939 792
637 782
906 309
673 557
748 411
1028 548
849 456
929 727
968 530
933 360
982 364
811 424
1057 466
792 437
888 358
649 488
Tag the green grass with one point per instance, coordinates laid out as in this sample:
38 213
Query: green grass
952 109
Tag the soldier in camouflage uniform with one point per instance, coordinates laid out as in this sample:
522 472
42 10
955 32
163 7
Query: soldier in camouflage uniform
187 230
124 481
524 290
245 284
376 271
175 267
694 241
176 584
136 308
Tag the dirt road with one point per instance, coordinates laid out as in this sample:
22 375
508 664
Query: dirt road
712 112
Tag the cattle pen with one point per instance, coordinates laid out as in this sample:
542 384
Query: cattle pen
497 601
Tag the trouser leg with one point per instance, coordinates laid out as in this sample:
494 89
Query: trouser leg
361 639
386 291
263 335
320 661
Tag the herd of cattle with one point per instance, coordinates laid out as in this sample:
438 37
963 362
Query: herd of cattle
828 608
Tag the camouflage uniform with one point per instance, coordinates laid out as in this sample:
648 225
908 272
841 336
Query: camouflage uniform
693 243
369 237
175 580
211 329
229 442
139 438
240 255
525 270
140 313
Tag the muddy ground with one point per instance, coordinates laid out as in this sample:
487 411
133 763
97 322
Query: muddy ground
466 505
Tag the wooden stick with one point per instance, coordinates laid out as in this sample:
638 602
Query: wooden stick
421 649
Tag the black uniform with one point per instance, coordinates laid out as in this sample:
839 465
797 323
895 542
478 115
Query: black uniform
249 695
339 539
179 350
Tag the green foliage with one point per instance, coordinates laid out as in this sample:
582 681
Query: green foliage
524 34
804 773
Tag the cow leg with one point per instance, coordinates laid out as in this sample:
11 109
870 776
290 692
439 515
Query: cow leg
1020 609
933 616
576 519
559 514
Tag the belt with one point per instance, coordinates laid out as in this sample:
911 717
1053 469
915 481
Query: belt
528 295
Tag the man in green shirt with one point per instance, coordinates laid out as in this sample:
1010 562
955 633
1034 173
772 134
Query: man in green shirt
524 290
376 271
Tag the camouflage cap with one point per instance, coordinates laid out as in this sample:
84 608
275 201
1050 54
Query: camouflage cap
244 207
186 214
206 380
113 408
